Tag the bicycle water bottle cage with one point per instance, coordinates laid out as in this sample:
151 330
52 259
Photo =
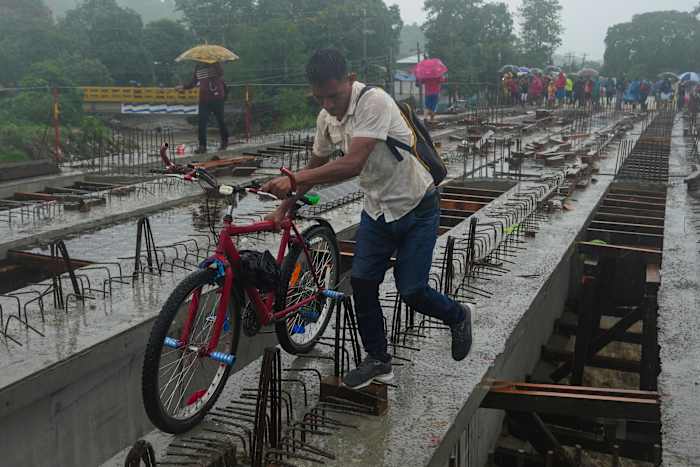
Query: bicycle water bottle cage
218 265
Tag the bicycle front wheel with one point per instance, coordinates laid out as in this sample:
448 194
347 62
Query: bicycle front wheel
180 385
299 332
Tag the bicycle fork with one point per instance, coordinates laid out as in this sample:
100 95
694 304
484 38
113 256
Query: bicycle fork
222 309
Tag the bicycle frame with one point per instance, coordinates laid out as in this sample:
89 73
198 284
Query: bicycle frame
227 253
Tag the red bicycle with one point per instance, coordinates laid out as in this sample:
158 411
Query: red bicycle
193 342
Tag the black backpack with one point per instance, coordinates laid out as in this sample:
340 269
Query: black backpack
423 149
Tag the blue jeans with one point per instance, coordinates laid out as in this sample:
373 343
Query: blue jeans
412 240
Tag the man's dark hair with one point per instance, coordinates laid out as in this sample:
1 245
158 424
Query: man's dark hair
325 65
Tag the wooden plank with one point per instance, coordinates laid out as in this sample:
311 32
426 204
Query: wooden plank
456 196
447 203
627 227
653 276
611 201
646 220
611 363
628 211
569 329
450 221
633 197
26 196
455 213
44 263
75 191
650 254
463 190
620 237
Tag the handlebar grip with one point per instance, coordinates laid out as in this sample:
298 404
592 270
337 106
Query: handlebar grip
290 175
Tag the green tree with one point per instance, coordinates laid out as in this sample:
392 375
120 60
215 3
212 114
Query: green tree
411 35
652 43
541 30
165 39
473 38
28 35
102 30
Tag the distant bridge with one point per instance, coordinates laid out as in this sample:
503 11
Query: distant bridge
151 100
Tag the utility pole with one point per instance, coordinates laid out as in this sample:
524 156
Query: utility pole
56 117
420 86
583 62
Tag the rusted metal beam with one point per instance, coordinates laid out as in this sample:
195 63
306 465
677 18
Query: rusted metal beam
579 401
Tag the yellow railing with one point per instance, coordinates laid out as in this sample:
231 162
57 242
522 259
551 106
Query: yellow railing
128 95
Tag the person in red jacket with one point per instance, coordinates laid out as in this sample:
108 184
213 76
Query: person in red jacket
212 93
432 95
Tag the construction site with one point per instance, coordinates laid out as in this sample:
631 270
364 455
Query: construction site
573 231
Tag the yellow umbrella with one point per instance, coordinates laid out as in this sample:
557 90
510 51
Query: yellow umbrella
208 54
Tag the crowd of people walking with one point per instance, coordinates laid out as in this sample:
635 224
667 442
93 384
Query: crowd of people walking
557 89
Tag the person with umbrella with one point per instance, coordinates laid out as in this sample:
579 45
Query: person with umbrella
431 74
208 76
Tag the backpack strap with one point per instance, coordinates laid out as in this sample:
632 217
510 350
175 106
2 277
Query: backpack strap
391 142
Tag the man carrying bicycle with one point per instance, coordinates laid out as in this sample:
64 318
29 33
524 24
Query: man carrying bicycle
401 212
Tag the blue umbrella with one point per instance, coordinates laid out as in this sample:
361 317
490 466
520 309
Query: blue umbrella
524 69
690 76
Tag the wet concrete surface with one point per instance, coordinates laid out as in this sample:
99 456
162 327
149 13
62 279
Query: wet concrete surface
450 391
437 399
679 302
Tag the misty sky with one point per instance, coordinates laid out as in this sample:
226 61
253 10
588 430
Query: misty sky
585 21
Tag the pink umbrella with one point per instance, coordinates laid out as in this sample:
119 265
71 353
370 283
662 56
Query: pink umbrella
432 68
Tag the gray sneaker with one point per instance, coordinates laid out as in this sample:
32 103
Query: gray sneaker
369 370
462 335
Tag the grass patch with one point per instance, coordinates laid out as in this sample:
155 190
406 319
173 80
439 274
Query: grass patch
13 156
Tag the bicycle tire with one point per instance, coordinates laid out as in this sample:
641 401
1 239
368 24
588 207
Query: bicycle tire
154 351
290 263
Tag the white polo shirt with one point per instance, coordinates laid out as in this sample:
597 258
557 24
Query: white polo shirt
391 187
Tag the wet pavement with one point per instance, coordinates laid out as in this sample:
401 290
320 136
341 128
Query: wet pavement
437 398
679 302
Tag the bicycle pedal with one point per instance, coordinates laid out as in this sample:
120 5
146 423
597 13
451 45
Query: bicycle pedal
225 358
309 314
172 343
333 294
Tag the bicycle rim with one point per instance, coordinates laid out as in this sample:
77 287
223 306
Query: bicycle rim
300 329
187 380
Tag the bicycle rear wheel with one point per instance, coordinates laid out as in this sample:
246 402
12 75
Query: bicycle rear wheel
299 332
180 385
